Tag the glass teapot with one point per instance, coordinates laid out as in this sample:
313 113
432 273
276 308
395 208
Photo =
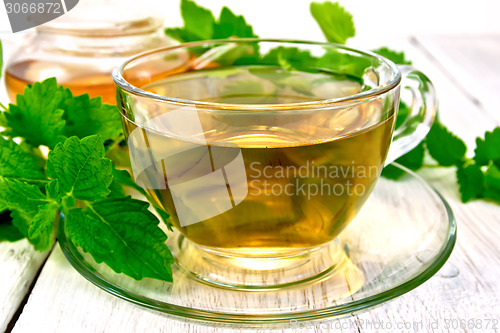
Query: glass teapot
82 47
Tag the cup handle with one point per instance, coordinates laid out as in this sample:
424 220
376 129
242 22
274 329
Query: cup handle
421 116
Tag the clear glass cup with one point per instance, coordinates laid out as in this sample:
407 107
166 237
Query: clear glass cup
263 151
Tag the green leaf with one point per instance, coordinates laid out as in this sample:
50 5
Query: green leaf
42 225
20 196
53 191
116 190
37 116
231 25
403 113
81 168
24 201
335 22
291 58
21 224
123 234
492 182
394 56
181 35
238 91
198 21
46 114
3 121
199 24
413 160
444 146
392 172
471 181
8 232
488 149
226 55
85 116
124 178
16 163
334 61
163 215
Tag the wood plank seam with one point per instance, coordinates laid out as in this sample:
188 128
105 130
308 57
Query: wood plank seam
17 314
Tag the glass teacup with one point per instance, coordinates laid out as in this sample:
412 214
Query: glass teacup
263 151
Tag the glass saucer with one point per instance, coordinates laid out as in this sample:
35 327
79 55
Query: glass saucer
402 236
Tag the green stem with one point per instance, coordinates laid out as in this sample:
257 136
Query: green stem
116 141
432 166
34 181
3 107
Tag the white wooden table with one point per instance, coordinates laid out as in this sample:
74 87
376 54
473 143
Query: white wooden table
41 292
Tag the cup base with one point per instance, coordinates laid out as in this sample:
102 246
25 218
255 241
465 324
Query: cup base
268 269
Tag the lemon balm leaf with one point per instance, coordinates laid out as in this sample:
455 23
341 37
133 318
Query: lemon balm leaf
446 148
47 114
42 225
8 232
198 21
86 116
335 22
337 62
22 197
37 116
488 149
125 235
81 168
24 202
394 56
413 160
403 113
471 181
492 182
392 172
52 190
16 163
124 178
200 24
116 190
231 25
291 58
181 35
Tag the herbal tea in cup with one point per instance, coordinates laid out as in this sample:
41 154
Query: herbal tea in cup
263 151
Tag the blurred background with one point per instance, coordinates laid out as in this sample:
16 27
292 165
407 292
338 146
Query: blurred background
286 19
378 23
280 19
